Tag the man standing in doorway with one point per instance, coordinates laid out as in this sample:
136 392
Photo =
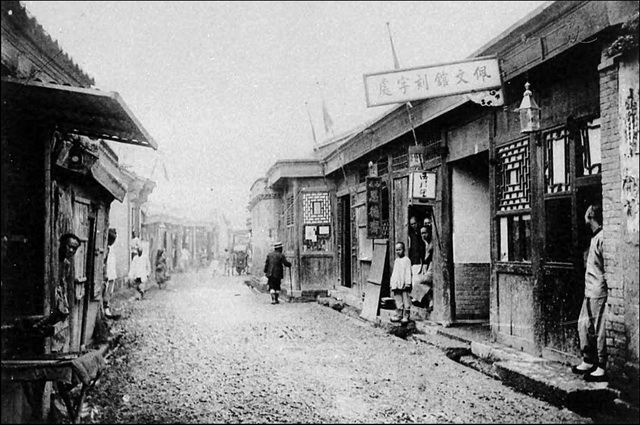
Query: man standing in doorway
60 309
591 328
417 247
274 270
110 273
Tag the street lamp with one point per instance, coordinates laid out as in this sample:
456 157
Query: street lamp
529 112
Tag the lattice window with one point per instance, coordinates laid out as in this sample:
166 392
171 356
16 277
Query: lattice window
316 208
556 162
514 180
588 149
288 210
400 160
383 166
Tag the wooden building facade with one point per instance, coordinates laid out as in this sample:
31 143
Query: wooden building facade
58 177
295 205
508 208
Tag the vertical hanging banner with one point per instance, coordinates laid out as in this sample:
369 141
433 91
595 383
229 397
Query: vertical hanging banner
374 204
404 85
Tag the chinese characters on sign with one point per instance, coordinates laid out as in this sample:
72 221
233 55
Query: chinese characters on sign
423 185
401 86
374 213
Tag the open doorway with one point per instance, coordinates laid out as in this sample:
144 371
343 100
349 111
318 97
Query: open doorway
344 240
471 219
421 240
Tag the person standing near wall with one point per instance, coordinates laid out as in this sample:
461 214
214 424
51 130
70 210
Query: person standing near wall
274 270
591 328
110 273
400 285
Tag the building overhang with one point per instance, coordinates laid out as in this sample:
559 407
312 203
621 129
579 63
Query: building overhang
388 128
543 34
88 112
107 172
292 169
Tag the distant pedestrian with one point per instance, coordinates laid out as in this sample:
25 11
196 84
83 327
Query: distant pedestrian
134 244
274 270
203 259
161 267
215 265
184 257
227 262
400 285
139 272
591 328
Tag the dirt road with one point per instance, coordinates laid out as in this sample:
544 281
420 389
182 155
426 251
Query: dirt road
211 350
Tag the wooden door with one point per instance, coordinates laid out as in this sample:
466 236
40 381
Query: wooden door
84 226
571 183
400 212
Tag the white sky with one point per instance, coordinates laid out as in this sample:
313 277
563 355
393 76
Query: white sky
222 86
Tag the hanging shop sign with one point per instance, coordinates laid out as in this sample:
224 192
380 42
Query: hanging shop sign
374 208
417 156
422 185
404 85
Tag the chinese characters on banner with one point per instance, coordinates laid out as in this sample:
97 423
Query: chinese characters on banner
401 86
374 213
423 185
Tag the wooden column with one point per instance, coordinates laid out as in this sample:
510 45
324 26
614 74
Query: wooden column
298 229
494 311
446 299
537 239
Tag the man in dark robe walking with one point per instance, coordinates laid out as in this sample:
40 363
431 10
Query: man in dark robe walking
274 270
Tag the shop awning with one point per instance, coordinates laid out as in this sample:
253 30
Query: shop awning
89 112
109 177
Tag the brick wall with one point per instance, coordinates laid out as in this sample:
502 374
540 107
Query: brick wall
620 244
472 290
610 140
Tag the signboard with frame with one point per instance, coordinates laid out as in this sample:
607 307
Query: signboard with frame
404 85
422 185
374 208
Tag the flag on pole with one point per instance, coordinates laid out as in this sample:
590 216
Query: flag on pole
313 131
328 123
164 168
396 64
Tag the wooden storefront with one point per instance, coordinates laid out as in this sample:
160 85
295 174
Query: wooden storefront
296 205
58 176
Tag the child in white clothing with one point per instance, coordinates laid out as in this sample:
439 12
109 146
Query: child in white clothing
400 285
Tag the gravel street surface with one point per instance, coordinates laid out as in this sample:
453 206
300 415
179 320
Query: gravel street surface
211 349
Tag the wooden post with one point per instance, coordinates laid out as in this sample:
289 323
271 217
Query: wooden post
447 299
494 311
537 240
298 229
